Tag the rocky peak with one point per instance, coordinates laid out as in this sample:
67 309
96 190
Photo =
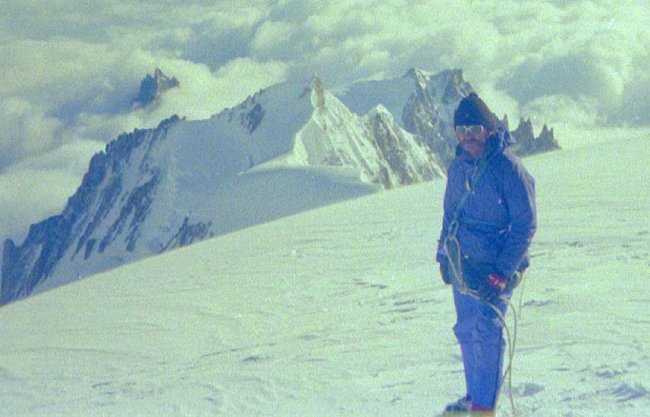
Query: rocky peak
317 87
417 75
506 122
73 231
407 160
525 141
429 110
147 192
152 88
251 114
455 86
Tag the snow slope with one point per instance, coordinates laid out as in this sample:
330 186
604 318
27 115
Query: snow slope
291 147
339 311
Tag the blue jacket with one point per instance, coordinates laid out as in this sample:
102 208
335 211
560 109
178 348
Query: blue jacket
498 220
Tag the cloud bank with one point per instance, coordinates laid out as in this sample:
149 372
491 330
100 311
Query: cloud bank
70 70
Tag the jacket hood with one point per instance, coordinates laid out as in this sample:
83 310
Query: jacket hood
500 140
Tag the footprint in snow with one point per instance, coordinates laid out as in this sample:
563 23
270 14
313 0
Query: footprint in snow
527 389
625 392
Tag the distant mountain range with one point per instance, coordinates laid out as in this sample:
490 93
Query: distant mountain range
291 147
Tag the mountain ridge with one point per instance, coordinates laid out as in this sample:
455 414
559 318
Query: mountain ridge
157 189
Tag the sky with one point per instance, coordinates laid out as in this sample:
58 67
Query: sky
70 68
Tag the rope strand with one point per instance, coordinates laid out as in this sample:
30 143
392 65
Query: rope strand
457 273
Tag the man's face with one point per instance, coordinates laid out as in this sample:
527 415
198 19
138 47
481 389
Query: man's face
473 139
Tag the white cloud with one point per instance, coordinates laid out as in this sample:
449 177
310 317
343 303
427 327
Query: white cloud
27 130
44 157
39 186
203 92
554 109
635 108
274 39
501 103
578 76
31 196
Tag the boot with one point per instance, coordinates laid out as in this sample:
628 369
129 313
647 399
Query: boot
464 407
459 408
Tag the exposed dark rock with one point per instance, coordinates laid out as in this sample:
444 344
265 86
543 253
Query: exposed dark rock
253 118
26 265
152 88
428 112
136 208
396 150
527 144
189 233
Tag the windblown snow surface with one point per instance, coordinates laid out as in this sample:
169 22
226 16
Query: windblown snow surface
340 311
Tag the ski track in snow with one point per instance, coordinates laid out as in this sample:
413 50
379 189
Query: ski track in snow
340 311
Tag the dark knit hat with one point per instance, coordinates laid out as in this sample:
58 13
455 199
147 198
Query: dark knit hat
473 111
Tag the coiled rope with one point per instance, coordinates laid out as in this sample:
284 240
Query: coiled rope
456 268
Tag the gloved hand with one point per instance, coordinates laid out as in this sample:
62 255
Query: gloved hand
491 288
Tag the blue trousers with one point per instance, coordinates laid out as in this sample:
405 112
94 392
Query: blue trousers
480 334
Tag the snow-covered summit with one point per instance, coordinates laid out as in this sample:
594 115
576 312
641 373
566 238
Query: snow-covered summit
423 104
288 148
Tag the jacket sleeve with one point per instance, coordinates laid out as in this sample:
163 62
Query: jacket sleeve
441 253
519 195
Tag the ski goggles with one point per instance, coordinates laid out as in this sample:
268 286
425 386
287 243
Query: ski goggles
473 130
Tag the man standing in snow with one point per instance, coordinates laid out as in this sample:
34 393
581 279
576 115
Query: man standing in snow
489 221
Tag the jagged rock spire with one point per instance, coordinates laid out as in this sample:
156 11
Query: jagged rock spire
527 144
317 87
152 87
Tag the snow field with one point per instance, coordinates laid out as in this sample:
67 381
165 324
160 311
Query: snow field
340 311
